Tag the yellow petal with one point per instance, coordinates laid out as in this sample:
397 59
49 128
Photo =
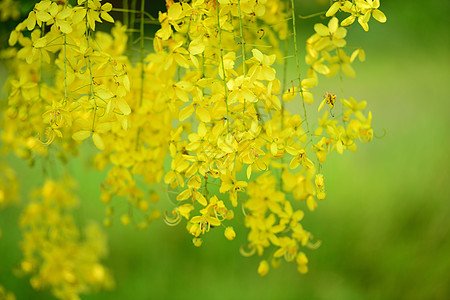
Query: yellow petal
322 104
362 55
258 55
333 9
157 44
81 135
311 203
104 94
202 114
78 16
363 24
123 106
354 55
308 97
213 221
274 149
202 200
348 70
126 82
186 112
249 171
322 69
43 16
348 21
295 162
339 147
268 73
379 16
107 17
31 21
321 29
64 26
333 24
249 96
40 42
184 195
340 33
107 7
174 11
13 38
196 46
98 141
309 82
66 12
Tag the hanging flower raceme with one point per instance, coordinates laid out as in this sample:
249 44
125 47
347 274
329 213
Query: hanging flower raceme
54 254
201 118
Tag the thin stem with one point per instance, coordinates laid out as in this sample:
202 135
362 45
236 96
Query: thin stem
90 72
126 17
312 15
241 32
132 21
297 61
134 11
283 89
141 92
244 70
65 64
223 66
283 83
142 53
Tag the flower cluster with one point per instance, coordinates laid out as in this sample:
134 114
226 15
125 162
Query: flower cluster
56 254
6 295
9 9
358 9
85 98
202 115
9 188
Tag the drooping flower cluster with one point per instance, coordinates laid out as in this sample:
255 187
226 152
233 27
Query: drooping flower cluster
6 295
203 114
9 9
9 188
85 98
56 254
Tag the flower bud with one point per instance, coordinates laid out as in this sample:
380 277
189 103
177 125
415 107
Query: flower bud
263 268
107 222
229 233
197 241
125 219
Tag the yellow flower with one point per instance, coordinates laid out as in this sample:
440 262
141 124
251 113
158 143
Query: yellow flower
370 7
203 224
353 106
290 217
261 69
329 99
333 34
363 10
288 248
338 5
340 61
233 186
241 90
6 295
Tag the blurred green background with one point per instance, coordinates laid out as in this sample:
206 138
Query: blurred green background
385 223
